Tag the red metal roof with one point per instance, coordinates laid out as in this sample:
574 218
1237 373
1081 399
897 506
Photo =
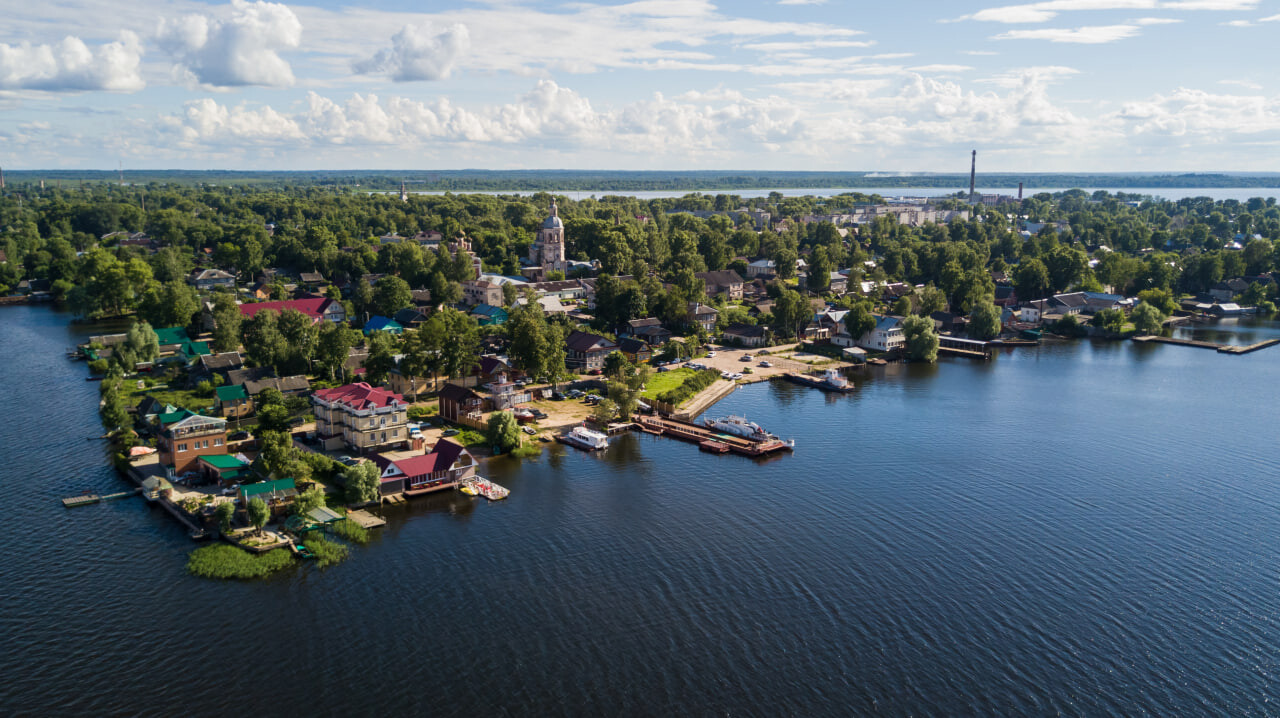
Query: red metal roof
442 456
313 308
360 396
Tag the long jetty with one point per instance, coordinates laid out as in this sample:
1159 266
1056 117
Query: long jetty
86 499
1220 348
688 431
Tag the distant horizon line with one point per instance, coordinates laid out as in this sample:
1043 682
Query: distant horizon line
868 174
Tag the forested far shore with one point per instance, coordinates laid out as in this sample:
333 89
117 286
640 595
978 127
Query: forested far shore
621 182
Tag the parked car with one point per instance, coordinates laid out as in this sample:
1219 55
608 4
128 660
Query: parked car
663 368
449 432
348 460
297 421
539 414
557 396
596 372
765 363
745 357
710 354
239 436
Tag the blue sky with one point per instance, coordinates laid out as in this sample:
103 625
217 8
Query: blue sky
1059 85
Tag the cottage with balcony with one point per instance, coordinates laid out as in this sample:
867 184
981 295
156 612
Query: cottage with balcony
185 437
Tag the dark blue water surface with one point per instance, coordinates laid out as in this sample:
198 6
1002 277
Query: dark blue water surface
1087 529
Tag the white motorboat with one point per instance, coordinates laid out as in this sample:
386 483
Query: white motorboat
584 438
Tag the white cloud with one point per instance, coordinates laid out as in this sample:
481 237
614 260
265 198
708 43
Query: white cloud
71 66
1241 83
241 49
1046 11
1203 117
802 2
1093 35
206 121
416 53
979 53
941 68
1157 21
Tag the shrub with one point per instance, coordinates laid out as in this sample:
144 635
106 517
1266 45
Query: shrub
351 531
689 387
99 366
528 451
418 413
326 552
226 561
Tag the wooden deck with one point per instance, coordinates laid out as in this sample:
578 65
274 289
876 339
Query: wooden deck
86 499
365 519
687 431
1220 348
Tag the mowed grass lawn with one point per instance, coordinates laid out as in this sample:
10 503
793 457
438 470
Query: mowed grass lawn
666 381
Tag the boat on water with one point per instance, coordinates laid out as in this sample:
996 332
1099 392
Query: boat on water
831 380
738 426
469 490
584 438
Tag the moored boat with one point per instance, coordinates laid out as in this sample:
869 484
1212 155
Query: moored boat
584 438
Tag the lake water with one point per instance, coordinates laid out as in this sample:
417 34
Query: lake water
1171 193
1086 529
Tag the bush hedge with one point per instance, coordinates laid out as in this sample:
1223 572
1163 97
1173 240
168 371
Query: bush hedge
689 387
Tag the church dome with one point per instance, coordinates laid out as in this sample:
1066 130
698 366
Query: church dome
553 220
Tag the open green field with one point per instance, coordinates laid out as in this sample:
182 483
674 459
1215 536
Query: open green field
181 398
666 381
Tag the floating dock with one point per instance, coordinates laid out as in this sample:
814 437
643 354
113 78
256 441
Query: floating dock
816 383
480 486
86 499
366 520
687 431
1220 348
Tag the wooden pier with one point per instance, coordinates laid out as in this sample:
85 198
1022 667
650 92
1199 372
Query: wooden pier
1220 348
86 499
816 383
366 520
687 431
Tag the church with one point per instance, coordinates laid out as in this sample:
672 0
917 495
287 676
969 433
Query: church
547 253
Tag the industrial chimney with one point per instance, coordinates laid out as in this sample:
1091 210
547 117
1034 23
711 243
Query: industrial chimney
1019 191
973 175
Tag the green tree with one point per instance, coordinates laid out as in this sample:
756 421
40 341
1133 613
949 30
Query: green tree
263 341
390 295
273 417
312 498
224 513
383 348
334 343
363 483
1112 320
902 307
553 360
1161 299
226 317
922 339
932 300
300 335
258 513
1031 280
171 304
859 321
502 431
1147 319
984 321
114 414
818 278
790 313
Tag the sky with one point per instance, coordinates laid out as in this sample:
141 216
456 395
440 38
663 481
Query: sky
906 86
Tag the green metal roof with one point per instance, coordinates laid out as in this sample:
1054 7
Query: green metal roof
268 487
173 417
231 393
223 461
196 349
172 335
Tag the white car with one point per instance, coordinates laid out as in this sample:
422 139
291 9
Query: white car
710 354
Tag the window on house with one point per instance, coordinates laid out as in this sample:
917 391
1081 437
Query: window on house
217 442
182 447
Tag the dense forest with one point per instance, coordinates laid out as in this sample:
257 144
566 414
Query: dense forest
60 235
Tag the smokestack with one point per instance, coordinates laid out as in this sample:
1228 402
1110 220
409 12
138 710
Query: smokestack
1 178
973 175
1019 191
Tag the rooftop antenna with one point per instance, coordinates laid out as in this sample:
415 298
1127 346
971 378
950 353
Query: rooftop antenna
973 175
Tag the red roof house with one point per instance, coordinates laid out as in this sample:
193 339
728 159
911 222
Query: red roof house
317 308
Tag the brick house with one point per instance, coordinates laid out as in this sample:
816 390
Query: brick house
183 441
586 351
